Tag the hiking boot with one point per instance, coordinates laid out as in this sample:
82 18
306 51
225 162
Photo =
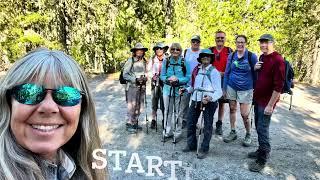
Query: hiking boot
218 128
253 155
187 149
202 154
184 124
131 129
153 124
231 137
256 166
136 126
247 140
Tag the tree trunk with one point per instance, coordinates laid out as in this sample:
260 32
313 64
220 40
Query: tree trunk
315 72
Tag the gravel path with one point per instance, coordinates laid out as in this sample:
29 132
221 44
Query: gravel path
295 140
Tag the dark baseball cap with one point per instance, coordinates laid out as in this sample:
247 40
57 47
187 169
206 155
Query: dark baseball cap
196 37
267 37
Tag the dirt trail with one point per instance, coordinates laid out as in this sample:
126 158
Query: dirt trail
295 140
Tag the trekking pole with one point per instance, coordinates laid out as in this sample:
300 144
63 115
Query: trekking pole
138 106
145 103
202 108
166 120
177 119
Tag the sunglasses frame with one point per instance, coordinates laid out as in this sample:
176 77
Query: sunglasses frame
12 92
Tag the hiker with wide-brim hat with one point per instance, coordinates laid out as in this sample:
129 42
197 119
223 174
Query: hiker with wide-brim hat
206 90
134 72
154 69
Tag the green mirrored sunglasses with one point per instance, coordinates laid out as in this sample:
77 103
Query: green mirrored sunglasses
31 94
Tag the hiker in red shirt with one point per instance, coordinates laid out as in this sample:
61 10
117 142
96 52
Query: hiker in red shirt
270 80
221 53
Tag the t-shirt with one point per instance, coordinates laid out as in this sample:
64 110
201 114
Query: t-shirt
191 61
269 78
220 62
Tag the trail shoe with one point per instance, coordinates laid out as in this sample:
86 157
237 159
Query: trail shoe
153 124
247 140
256 166
253 155
231 137
137 127
131 129
202 154
218 128
187 149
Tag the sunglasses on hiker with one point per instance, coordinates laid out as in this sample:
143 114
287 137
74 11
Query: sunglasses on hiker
175 49
157 48
195 42
32 94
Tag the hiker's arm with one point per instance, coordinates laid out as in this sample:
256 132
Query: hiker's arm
216 84
274 98
127 74
227 73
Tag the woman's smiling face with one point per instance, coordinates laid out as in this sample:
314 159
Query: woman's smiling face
43 128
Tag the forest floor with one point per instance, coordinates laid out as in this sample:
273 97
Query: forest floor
295 137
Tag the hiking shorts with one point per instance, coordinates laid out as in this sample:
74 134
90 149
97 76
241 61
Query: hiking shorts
240 96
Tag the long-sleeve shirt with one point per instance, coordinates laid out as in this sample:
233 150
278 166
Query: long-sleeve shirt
174 69
271 78
239 73
205 86
154 66
133 71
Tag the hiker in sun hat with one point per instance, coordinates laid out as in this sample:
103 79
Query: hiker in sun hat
154 69
206 90
134 72
270 80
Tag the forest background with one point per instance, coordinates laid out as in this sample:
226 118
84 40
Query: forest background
100 33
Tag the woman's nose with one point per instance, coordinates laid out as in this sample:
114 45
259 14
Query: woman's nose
48 106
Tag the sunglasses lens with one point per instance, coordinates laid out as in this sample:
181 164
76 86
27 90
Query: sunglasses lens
66 96
29 94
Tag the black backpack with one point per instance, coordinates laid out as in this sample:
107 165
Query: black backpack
121 79
288 81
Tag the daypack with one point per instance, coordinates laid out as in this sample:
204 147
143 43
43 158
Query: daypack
184 69
288 81
253 73
196 71
213 47
121 79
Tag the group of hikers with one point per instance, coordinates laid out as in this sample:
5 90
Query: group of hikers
188 86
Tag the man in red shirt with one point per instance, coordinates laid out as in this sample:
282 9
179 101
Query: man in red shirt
221 53
270 80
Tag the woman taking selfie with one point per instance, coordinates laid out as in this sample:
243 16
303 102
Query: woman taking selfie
48 125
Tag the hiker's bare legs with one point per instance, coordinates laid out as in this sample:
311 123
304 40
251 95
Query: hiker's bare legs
233 113
245 110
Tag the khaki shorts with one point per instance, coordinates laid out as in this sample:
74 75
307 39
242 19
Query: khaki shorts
240 96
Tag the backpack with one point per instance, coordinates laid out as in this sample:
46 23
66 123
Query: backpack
184 69
253 73
121 79
195 73
213 47
288 81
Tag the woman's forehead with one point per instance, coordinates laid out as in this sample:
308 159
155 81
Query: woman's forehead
51 82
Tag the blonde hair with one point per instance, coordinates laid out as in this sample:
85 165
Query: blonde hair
19 163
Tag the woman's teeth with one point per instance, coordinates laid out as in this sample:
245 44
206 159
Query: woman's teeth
45 128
